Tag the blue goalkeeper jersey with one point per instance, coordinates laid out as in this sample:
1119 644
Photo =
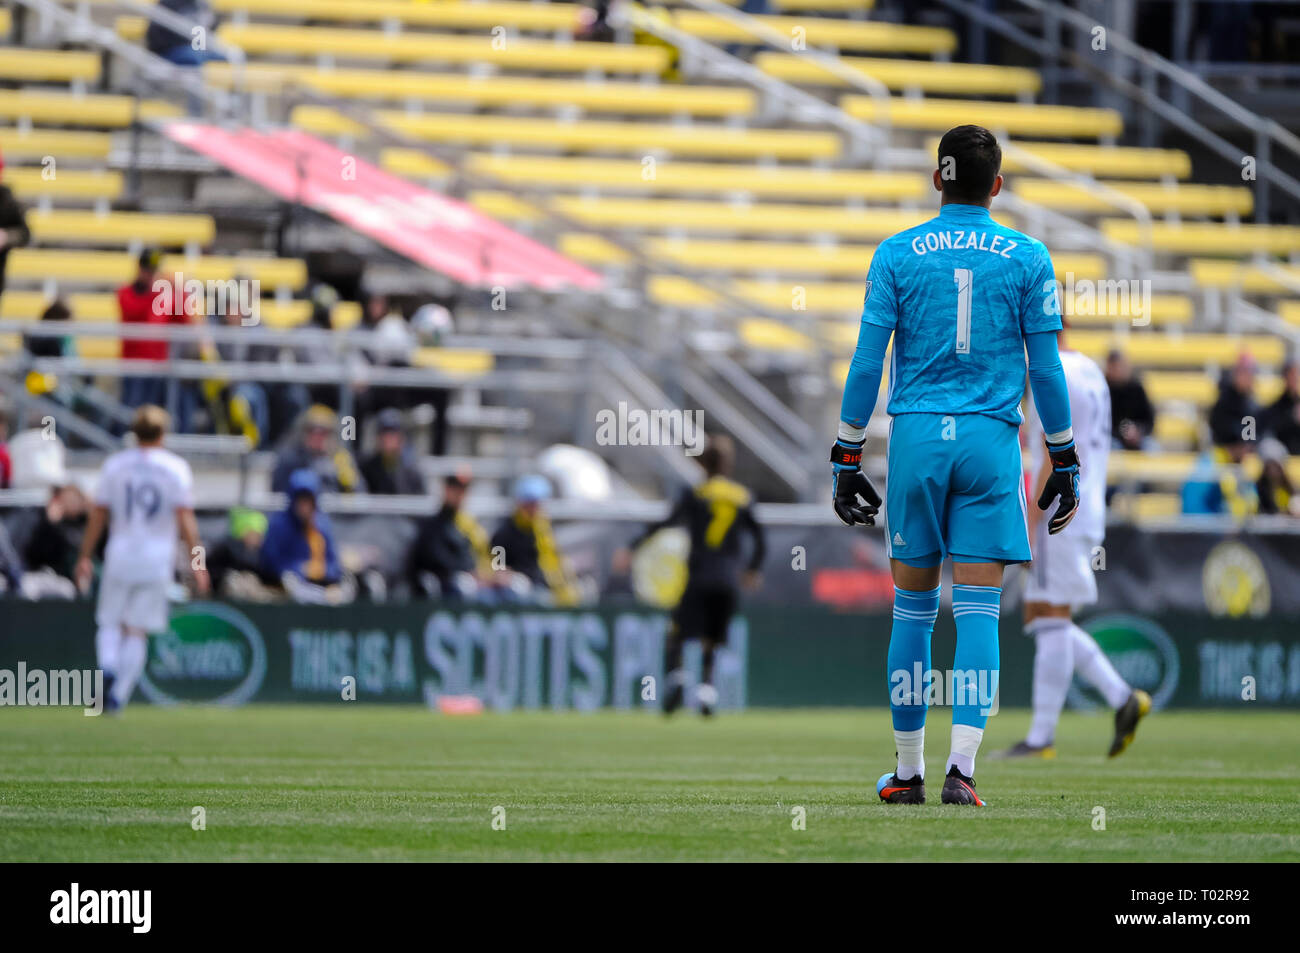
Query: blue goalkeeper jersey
960 292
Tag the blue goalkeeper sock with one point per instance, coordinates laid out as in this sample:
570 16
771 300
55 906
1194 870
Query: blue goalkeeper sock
975 670
908 664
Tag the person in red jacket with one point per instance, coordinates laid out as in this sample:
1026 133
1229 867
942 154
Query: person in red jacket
147 301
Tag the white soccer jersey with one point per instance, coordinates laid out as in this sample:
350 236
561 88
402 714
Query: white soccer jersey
1090 420
143 487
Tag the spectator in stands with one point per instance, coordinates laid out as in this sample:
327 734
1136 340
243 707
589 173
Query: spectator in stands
235 563
43 346
147 300
1132 418
391 468
449 556
299 548
13 225
1235 417
1282 419
1276 495
241 406
316 447
529 545
49 537
189 48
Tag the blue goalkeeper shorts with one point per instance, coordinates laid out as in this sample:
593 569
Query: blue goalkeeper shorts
955 490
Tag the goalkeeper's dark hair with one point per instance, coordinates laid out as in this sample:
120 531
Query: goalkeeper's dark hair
719 456
969 161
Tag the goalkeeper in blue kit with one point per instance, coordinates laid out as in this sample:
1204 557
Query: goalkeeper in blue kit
964 298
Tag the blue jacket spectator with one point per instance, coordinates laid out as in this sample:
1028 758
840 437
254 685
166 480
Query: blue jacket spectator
299 539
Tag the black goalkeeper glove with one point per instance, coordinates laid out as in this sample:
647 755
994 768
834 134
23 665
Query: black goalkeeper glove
849 484
1064 482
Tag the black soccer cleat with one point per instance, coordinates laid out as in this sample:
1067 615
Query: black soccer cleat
673 700
1127 717
1023 749
893 790
959 789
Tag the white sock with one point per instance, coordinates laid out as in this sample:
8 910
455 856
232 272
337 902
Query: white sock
130 663
1053 670
108 642
911 753
965 744
1091 662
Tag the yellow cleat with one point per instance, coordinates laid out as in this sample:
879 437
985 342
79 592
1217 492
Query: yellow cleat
1127 717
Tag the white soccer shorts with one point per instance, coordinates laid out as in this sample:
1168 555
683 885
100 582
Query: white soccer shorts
1061 573
137 605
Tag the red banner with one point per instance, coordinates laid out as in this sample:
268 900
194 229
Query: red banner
431 229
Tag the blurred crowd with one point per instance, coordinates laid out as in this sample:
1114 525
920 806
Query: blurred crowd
1238 431
295 553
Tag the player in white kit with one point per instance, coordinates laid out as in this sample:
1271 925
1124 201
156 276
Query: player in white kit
145 496
1060 578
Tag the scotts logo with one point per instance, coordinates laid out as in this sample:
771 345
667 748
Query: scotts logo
211 654
1235 582
1142 653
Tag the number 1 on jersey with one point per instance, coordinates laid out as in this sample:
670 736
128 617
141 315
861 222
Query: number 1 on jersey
962 278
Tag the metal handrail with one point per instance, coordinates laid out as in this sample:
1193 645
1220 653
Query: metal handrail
1267 132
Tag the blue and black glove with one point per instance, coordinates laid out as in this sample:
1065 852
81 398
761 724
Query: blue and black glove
849 486
1063 482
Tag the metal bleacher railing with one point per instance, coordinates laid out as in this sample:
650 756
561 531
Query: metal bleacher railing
1125 59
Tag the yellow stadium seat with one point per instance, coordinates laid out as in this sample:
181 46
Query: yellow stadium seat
107 112
131 28
1100 306
63 144
31 184
1105 162
117 268
970 79
460 362
493 90
1199 388
19 305
601 136
443 13
261 39
1249 277
1179 350
860 35
1063 122
1148 507
762 334
412 163
6 22
1289 311
704 216
62 227
1174 430
49 66
1212 239
1211 201
635 175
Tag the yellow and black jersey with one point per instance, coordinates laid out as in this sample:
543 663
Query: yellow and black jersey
718 515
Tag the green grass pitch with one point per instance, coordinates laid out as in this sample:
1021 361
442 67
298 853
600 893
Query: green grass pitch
343 783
